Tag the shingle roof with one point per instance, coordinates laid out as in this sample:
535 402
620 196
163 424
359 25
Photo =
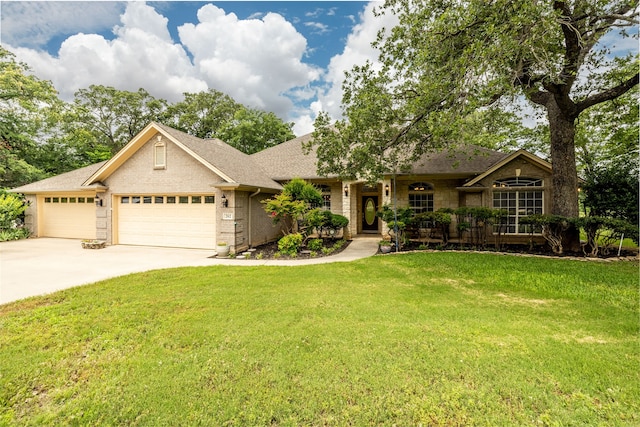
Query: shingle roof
281 162
238 166
469 160
288 160
70 181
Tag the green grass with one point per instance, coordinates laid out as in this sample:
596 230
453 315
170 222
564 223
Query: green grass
440 339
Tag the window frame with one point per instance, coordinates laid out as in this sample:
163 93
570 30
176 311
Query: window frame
420 188
160 148
528 199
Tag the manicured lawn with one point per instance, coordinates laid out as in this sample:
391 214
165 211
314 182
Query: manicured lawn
441 339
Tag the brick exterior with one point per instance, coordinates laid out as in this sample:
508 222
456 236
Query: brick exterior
243 223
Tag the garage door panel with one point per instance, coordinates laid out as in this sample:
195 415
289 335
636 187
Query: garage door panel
161 224
70 220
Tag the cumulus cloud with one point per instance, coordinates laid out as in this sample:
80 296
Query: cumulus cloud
255 60
142 54
258 61
357 51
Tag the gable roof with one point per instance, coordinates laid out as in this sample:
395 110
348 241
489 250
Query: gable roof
233 166
507 159
69 181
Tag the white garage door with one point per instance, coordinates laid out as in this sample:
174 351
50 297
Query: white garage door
173 221
68 216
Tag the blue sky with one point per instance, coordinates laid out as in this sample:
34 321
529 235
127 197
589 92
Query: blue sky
287 56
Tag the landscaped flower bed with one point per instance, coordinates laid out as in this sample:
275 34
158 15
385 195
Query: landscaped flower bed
328 247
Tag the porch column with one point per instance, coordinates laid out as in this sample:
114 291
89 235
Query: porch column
348 200
387 199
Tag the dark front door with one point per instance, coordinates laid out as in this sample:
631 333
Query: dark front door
369 218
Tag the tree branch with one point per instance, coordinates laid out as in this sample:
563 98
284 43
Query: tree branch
608 94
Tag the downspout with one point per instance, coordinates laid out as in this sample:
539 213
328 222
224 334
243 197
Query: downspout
251 196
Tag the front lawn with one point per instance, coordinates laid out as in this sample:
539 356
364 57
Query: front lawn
441 339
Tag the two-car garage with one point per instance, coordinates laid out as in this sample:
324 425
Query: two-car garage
186 221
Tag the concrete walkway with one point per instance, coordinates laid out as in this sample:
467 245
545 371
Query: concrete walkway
40 266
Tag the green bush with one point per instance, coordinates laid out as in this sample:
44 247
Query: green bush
14 234
553 228
290 244
12 207
326 222
338 221
339 244
315 244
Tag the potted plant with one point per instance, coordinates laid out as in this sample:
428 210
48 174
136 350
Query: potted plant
222 249
385 246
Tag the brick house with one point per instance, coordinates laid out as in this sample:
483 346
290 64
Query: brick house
167 188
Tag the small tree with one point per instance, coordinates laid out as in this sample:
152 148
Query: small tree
396 220
553 228
291 207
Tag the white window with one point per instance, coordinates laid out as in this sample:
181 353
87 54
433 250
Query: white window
326 197
159 155
421 197
516 197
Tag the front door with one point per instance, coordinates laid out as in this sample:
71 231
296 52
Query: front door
369 218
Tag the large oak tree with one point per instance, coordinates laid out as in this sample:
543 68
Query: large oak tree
449 60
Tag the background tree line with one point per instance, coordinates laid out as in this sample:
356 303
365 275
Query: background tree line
42 135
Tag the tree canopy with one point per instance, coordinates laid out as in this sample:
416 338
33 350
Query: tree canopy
448 61
23 99
41 135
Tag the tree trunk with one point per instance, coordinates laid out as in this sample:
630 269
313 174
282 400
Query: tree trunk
564 201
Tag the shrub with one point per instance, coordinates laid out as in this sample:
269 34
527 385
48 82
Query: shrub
612 191
553 228
315 244
12 207
326 222
290 244
338 221
14 234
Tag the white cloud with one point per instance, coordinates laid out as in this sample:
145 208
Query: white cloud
141 55
254 61
33 24
257 61
357 51
318 27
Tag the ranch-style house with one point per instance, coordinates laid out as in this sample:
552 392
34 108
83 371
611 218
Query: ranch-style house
168 188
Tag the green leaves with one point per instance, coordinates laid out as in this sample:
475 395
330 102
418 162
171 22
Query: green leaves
213 114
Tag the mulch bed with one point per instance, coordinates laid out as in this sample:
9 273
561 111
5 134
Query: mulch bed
269 251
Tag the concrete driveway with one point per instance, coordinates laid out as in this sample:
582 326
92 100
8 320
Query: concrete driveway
40 266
